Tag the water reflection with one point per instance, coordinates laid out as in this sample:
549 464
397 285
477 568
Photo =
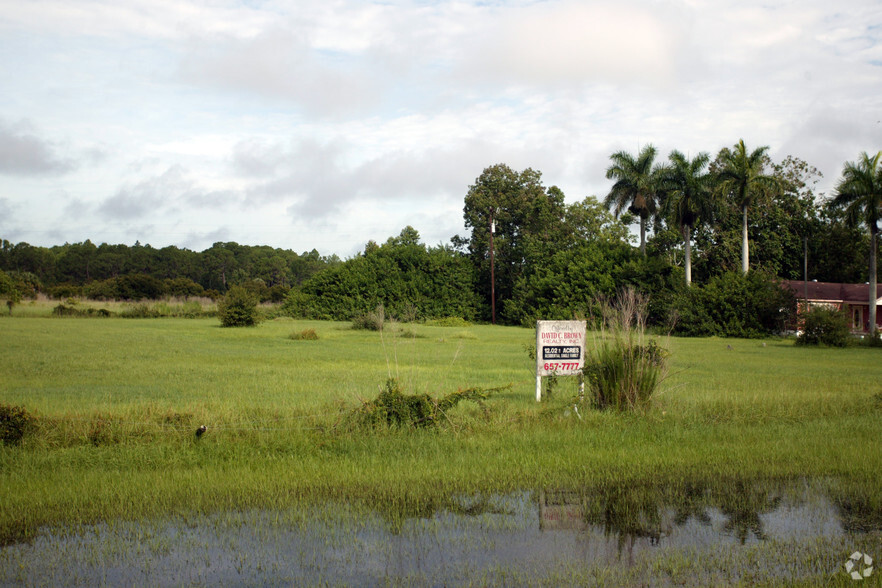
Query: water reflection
622 534
736 511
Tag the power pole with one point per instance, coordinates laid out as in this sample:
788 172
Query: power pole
492 272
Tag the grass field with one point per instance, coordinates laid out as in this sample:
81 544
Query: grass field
117 402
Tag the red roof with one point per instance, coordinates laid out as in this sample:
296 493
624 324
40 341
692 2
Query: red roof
831 291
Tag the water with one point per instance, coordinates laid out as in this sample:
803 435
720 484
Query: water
686 535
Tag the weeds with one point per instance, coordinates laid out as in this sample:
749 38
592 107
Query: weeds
394 408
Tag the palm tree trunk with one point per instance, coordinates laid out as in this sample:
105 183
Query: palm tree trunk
643 235
873 232
687 236
745 255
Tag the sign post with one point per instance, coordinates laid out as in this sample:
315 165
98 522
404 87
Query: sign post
560 350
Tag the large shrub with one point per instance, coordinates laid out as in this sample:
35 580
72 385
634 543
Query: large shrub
825 326
733 305
238 308
183 288
406 277
128 287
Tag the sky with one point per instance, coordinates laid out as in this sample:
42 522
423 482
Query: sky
323 124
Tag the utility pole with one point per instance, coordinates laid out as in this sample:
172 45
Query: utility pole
492 272
805 269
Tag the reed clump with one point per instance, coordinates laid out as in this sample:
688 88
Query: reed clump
626 367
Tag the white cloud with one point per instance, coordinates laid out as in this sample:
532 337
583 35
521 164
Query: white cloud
325 124
23 152
576 43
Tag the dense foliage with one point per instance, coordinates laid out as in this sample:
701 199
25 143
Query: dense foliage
733 305
825 326
529 254
406 278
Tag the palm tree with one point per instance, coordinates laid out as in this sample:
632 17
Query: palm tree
635 187
688 197
741 178
859 193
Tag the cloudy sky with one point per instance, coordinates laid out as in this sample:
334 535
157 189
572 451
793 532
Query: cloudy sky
325 123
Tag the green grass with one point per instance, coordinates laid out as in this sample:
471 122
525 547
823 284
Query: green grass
117 403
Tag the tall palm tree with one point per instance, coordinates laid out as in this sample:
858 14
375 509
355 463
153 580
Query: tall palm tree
688 197
741 177
636 186
859 193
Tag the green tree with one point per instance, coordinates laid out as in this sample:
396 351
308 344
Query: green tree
524 215
407 278
780 220
859 194
8 291
586 260
688 197
636 186
741 177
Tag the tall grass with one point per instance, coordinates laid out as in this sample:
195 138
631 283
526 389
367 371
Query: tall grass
625 368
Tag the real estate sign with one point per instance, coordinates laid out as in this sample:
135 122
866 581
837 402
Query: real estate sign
560 350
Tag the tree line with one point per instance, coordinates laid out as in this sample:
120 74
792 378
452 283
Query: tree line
140 271
703 223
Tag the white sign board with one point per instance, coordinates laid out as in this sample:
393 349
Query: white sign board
560 350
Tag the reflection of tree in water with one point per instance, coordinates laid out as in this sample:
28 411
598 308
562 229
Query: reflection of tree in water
397 509
743 503
692 505
631 513
857 514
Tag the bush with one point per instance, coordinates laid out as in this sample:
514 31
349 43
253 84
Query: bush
625 369
451 321
15 422
396 409
238 308
64 291
70 309
370 321
183 288
733 305
825 326
304 335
